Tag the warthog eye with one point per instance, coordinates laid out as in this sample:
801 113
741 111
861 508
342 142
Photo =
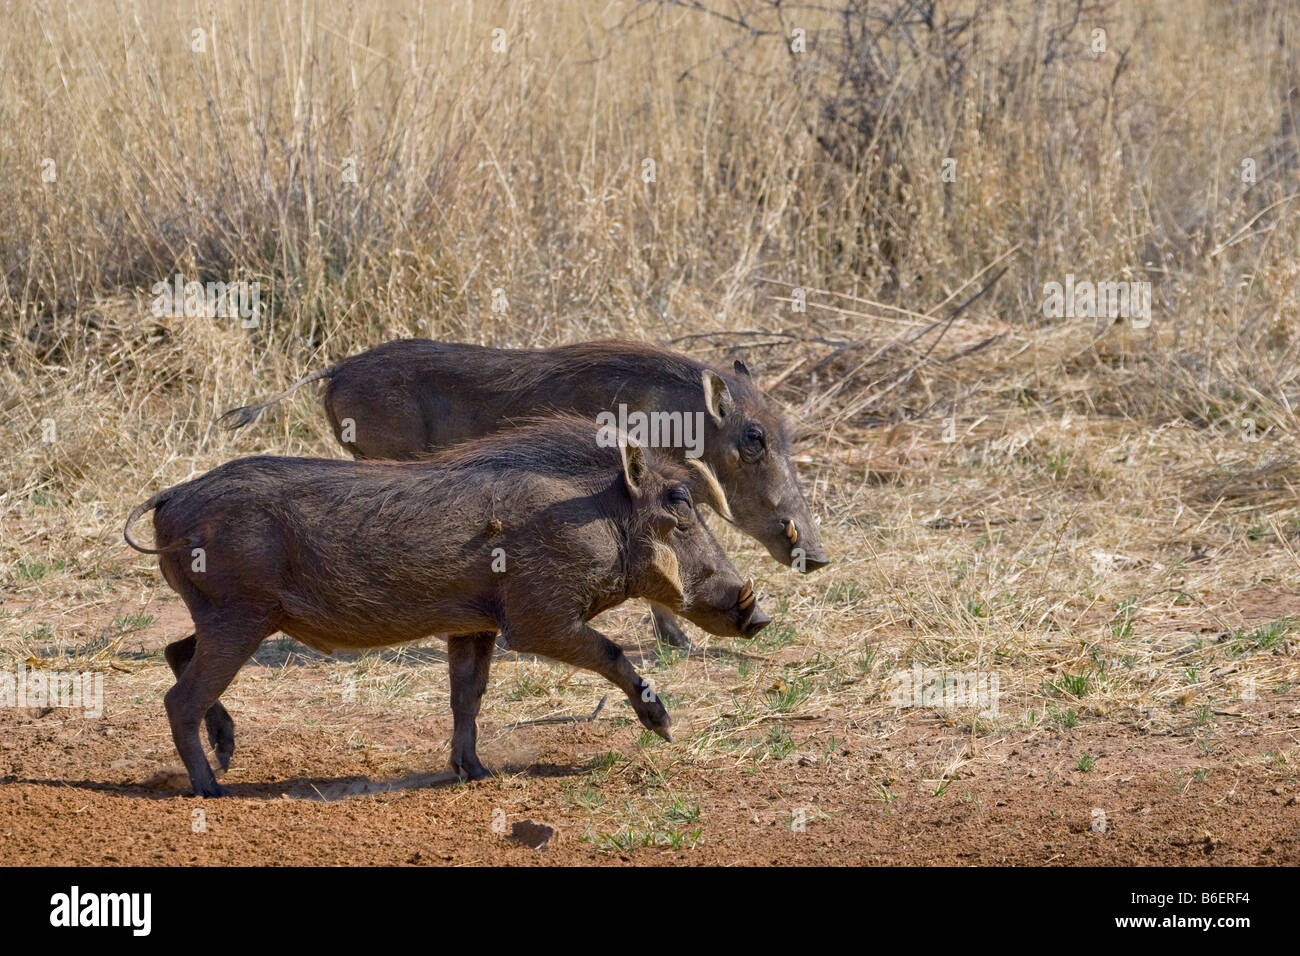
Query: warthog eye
679 496
753 442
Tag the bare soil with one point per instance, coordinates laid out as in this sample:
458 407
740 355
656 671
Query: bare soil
321 779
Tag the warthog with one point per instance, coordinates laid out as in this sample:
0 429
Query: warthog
530 532
408 398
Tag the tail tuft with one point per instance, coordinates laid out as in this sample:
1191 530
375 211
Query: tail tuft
239 417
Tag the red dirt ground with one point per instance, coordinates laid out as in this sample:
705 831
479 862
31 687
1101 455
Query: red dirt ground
108 791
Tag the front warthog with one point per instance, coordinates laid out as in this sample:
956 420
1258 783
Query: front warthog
529 533
406 399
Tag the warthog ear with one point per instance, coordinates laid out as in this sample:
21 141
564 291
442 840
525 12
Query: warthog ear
717 397
741 368
635 466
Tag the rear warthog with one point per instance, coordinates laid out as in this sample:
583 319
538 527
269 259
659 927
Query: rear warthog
530 533
406 399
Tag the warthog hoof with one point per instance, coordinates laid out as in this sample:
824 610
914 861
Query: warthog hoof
654 717
221 734
467 767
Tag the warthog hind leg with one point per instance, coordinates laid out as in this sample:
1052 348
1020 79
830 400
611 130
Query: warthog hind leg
468 657
221 728
221 648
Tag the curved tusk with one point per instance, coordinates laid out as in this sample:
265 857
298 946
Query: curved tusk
791 532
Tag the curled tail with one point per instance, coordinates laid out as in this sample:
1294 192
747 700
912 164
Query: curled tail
241 416
136 512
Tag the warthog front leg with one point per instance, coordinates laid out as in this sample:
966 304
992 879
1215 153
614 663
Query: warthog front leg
221 728
585 647
468 657
667 629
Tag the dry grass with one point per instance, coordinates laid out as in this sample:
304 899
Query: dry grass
1073 504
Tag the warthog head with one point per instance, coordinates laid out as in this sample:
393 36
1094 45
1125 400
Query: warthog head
672 558
750 451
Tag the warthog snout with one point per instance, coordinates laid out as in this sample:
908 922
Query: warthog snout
752 618
757 621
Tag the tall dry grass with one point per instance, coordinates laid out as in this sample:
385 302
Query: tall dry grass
215 141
